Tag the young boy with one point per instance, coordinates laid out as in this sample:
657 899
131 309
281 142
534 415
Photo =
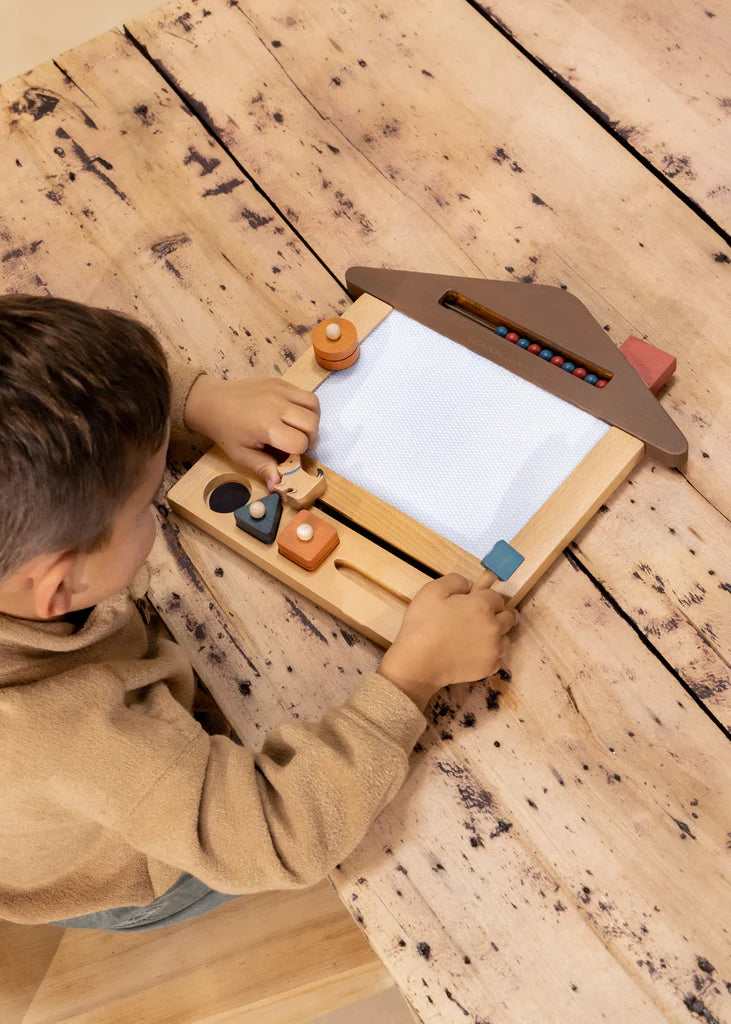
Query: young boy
118 810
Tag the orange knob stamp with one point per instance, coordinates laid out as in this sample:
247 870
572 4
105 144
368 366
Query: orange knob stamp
335 342
307 540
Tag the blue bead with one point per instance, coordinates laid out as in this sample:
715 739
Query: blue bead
591 378
502 331
523 342
546 354
569 367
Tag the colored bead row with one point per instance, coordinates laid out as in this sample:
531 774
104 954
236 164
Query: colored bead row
546 353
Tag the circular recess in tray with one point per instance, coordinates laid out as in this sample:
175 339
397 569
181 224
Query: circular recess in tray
228 497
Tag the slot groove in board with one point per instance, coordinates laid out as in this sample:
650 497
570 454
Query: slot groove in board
490 320
345 520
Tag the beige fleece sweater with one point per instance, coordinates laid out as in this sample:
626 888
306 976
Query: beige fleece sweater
110 788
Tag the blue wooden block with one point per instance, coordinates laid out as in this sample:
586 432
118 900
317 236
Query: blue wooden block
264 529
502 560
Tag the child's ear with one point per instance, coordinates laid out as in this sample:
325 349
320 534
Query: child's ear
55 584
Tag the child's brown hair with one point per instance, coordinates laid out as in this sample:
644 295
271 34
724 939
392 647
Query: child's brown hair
84 402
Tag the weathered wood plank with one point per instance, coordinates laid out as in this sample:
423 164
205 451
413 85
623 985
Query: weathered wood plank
375 186
244 964
657 73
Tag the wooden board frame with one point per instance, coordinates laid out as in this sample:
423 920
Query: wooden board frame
365 583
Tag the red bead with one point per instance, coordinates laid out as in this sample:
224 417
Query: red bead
535 349
580 372
558 360
601 383
512 337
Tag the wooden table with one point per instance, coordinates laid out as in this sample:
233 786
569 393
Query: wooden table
560 850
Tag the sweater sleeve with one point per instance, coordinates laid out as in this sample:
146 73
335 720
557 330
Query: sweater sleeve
244 822
182 379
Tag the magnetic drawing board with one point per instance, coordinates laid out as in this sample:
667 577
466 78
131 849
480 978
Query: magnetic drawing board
444 437
458 443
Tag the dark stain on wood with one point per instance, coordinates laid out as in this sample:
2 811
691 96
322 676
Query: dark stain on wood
166 246
492 701
673 166
89 163
207 165
36 102
224 189
255 220
537 201
501 156
350 638
144 114
424 949
684 830
27 250
310 627
475 799
195 105
696 1005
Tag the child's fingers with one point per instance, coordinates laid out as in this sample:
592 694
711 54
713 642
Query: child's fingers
298 396
450 584
263 464
506 620
288 439
494 601
303 419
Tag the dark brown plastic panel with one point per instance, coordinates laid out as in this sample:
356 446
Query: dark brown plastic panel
546 314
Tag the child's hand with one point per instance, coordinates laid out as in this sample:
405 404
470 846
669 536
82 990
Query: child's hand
450 634
242 416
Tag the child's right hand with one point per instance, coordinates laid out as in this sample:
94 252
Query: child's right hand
450 634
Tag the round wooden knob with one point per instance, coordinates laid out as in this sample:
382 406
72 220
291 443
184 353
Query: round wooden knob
257 510
335 342
305 531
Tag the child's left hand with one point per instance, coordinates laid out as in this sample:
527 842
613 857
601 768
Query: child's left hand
242 416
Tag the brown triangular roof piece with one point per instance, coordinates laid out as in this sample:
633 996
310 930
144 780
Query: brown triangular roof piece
542 313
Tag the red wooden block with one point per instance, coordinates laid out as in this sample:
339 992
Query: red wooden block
653 365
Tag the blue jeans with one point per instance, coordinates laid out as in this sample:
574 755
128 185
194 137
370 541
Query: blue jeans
186 899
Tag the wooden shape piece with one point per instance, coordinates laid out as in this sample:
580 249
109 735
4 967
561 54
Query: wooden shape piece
339 364
308 553
298 487
265 527
651 363
334 350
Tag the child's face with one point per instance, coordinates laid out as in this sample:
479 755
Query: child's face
52 585
112 567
